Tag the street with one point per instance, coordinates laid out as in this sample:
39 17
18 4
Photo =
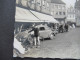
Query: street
64 45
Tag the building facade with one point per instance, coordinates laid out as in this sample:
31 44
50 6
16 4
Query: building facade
77 8
71 18
37 5
58 10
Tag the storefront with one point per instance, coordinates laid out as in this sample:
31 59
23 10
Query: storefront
44 17
61 20
24 19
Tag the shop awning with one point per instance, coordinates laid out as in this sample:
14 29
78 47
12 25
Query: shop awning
44 17
24 15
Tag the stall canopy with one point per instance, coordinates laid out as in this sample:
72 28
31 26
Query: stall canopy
24 15
44 17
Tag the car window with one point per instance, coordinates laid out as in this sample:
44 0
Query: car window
41 28
47 28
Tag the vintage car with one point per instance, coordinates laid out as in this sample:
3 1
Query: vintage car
44 32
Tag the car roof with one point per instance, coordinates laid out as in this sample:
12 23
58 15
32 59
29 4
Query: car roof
46 27
42 25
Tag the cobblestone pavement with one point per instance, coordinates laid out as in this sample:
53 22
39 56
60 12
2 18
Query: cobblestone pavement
65 45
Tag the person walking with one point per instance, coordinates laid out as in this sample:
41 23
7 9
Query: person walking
61 28
36 39
66 27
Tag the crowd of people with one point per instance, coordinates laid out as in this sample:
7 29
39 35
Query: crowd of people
60 28
63 28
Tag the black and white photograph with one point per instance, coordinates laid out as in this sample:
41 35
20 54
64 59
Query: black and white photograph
47 29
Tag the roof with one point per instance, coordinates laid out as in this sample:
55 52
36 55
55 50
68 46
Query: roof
57 1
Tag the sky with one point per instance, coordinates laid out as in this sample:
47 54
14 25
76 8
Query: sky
69 2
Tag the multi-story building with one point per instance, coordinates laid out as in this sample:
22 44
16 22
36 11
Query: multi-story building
37 5
71 15
58 9
77 8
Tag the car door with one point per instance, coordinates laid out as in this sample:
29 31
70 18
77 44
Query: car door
43 32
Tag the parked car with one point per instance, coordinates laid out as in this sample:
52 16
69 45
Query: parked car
44 32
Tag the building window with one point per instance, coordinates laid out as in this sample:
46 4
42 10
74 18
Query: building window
52 6
43 2
38 4
44 7
74 11
47 4
52 13
56 13
63 7
60 13
32 1
59 7
63 13
70 16
56 6
73 16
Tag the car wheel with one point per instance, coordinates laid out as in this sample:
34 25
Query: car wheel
51 36
41 38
